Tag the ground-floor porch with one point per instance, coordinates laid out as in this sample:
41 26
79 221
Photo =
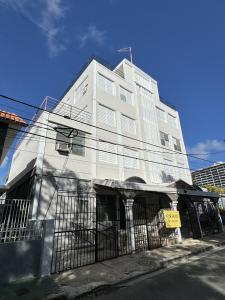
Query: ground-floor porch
106 220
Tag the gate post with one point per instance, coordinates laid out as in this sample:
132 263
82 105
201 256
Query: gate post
128 203
47 247
173 206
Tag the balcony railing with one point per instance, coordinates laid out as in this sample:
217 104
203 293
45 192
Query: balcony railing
66 110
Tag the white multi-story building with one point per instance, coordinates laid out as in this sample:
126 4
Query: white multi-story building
110 124
104 161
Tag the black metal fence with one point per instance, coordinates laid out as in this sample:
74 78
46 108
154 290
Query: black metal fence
88 230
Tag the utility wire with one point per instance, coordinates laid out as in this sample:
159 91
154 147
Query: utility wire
101 150
97 127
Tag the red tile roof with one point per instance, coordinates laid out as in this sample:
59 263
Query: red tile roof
11 117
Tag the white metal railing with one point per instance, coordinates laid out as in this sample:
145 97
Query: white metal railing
14 221
66 110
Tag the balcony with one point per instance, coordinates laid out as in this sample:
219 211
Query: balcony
66 110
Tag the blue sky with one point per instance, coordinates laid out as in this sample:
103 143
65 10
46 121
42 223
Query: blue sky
180 43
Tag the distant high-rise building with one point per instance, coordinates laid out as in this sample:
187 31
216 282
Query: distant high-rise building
213 175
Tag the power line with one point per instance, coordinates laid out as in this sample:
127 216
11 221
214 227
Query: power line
101 150
97 127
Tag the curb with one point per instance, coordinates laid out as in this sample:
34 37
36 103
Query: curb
161 265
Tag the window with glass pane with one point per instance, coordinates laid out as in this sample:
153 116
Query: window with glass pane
125 95
176 144
164 139
63 136
130 158
128 124
106 115
78 146
106 84
108 153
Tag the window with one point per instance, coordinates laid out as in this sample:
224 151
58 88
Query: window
132 161
172 121
161 114
68 139
106 84
108 154
81 89
125 95
164 139
78 146
106 115
176 144
128 124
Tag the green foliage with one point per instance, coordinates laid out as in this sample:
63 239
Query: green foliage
214 189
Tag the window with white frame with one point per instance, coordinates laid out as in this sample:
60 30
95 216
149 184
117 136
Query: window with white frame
176 144
106 84
81 90
126 96
130 158
108 153
128 124
106 115
164 137
161 114
172 121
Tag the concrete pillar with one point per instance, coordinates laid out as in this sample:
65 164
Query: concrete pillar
173 206
47 247
128 203
218 216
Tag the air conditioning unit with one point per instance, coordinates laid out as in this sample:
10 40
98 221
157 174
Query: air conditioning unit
63 147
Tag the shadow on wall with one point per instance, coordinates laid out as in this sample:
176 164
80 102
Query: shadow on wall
53 182
166 178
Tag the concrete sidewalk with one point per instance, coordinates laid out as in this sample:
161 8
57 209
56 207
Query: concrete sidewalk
74 283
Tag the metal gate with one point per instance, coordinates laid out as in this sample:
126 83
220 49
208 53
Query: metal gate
74 236
147 224
87 231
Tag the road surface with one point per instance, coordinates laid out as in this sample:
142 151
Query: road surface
201 279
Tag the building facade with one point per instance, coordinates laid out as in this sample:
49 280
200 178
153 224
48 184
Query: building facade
104 162
213 175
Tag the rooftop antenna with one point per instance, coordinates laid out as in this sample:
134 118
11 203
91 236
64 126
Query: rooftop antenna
128 49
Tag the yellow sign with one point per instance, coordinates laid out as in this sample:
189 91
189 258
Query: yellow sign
172 218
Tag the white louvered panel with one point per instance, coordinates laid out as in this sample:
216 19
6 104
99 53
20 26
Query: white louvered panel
128 124
132 160
106 115
161 114
107 154
106 84
172 121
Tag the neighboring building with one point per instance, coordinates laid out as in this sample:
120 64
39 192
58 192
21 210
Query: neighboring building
213 175
10 123
104 161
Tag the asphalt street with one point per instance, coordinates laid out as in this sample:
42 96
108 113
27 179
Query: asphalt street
202 279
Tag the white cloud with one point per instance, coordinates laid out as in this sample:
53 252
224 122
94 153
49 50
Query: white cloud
46 15
93 34
4 163
206 147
